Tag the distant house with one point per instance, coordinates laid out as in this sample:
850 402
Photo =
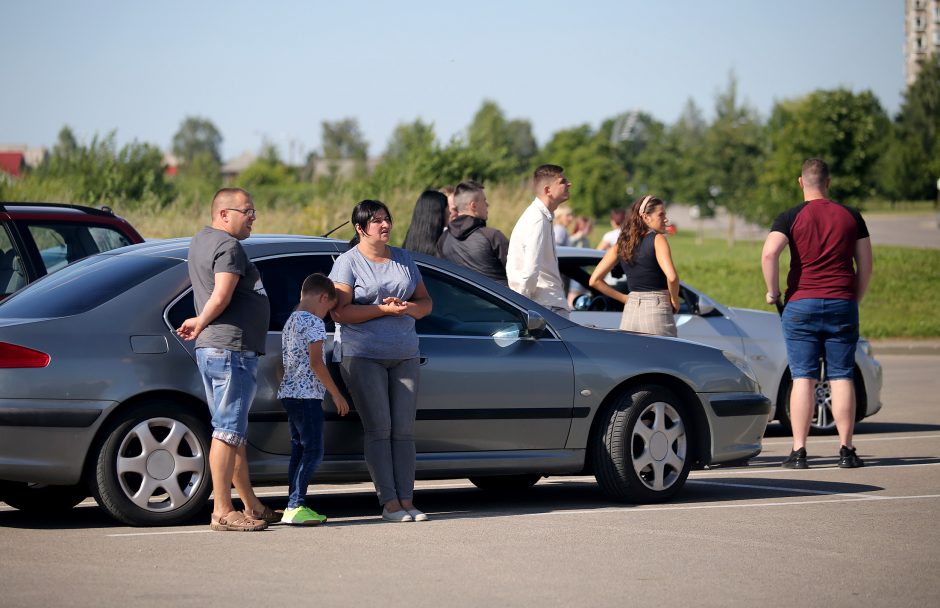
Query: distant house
15 158
232 168
170 164
343 168
12 163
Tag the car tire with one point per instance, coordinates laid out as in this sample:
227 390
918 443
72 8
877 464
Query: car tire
643 449
822 423
41 499
505 483
152 466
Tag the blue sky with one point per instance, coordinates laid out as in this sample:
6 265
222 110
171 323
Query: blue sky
274 70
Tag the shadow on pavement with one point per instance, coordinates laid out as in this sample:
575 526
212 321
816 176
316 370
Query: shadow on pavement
550 495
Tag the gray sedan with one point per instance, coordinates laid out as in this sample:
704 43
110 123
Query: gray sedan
100 397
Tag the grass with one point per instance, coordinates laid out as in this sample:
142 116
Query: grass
901 302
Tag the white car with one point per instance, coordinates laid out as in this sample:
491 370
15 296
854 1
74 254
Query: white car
755 335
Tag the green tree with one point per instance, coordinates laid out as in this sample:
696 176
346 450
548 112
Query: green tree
732 149
845 129
268 170
599 182
100 173
343 139
509 145
197 138
409 159
912 161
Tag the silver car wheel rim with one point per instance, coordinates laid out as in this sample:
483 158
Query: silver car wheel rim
160 464
659 446
822 414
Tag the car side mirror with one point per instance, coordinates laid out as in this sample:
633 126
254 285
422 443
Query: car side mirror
534 323
583 302
706 305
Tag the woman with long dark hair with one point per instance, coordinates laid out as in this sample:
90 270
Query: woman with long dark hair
380 294
427 223
643 252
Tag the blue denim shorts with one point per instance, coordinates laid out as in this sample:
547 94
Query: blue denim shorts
815 328
230 378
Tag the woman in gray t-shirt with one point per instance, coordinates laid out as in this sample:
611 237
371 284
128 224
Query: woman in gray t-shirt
380 294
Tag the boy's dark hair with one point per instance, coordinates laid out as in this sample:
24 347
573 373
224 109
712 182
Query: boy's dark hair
318 283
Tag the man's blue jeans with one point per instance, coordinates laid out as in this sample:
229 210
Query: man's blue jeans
305 417
230 381
816 328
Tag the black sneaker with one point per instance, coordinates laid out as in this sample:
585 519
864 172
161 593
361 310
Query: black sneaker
796 460
848 459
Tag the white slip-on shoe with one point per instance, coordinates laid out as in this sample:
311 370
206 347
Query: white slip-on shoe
417 515
396 515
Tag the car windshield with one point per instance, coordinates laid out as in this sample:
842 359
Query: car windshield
82 286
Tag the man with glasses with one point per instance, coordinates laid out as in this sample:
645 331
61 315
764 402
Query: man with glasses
532 264
230 330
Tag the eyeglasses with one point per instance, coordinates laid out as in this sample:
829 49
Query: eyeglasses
246 212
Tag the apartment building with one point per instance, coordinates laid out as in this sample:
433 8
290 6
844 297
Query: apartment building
922 34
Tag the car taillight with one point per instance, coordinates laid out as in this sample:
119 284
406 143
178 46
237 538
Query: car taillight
15 356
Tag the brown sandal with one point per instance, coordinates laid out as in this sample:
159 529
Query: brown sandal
237 521
267 514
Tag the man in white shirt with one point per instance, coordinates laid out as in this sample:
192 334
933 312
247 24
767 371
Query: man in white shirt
532 265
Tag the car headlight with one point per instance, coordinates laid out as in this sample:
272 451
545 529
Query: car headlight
864 346
742 365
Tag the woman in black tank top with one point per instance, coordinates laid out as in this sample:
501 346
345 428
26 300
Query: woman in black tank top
643 252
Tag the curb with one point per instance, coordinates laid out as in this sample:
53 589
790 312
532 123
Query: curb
905 347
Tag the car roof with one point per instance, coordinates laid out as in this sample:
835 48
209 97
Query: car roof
60 209
179 247
579 252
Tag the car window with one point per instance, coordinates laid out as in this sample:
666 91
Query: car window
580 271
462 310
82 286
60 243
107 239
12 271
282 278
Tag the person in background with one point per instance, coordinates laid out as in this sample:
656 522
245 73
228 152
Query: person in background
306 381
830 268
643 252
563 218
380 294
427 223
230 330
617 217
452 212
532 264
581 232
468 241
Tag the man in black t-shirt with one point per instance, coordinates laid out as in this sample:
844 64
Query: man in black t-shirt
830 268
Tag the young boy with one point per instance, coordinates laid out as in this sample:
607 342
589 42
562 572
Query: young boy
302 389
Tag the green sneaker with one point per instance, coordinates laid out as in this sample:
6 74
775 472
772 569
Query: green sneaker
302 516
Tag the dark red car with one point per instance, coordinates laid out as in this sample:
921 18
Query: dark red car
39 238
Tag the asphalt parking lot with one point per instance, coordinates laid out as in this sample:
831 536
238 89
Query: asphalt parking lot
735 536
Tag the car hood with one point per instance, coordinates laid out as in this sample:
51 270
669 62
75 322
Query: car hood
757 324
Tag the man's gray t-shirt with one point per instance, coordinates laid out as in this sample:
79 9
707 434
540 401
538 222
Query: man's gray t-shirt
387 337
243 325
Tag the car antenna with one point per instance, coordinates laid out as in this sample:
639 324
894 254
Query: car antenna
335 229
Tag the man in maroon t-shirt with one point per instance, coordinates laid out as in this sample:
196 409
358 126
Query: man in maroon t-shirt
830 267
